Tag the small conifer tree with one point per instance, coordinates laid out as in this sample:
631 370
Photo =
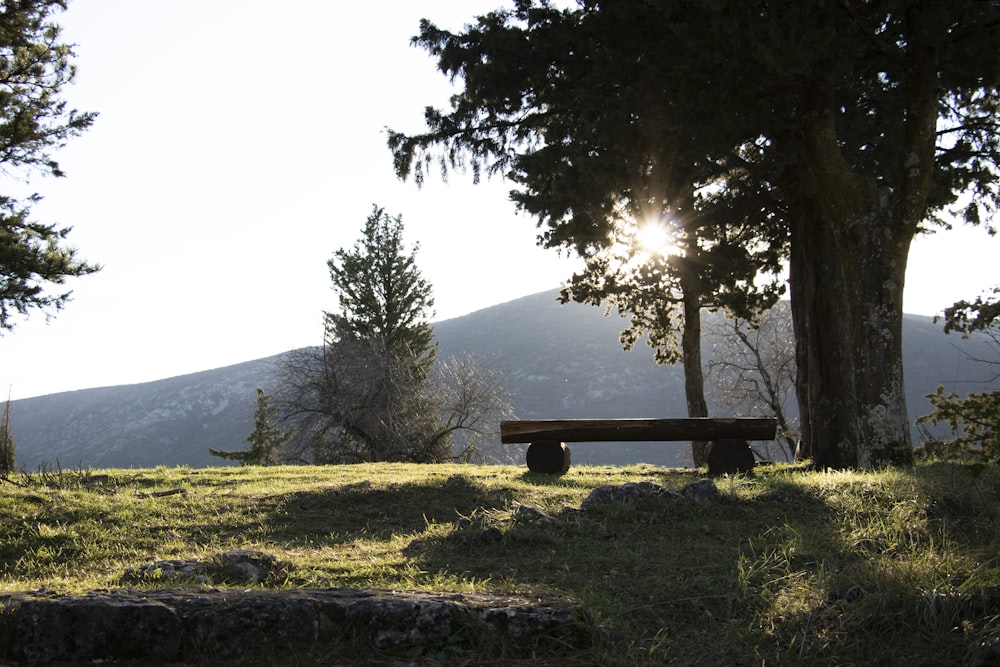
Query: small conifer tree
382 295
365 396
266 440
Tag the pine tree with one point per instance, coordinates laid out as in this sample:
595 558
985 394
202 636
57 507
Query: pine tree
382 295
366 395
35 65
266 440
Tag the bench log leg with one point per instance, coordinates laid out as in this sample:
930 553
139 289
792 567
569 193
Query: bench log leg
730 457
548 456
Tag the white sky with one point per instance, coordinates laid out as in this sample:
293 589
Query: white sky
239 144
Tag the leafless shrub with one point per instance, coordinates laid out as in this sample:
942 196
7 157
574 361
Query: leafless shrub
355 401
752 372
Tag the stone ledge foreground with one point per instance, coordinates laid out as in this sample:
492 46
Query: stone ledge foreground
174 624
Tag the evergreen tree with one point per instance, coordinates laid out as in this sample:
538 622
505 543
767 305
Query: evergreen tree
382 295
366 395
266 440
837 131
34 120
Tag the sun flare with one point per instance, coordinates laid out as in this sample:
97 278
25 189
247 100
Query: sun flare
656 238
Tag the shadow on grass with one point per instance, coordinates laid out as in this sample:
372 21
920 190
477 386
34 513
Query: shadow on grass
344 514
795 570
670 477
792 568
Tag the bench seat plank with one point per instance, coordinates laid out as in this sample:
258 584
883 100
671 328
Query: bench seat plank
635 430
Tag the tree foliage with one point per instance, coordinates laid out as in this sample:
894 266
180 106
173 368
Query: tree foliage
371 392
352 403
597 162
382 295
266 441
982 314
973 419
375 390
35 120
825 131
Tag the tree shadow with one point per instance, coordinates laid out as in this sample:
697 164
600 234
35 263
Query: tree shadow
769 563
345 513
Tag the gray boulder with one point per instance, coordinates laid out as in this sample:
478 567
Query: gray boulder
625 493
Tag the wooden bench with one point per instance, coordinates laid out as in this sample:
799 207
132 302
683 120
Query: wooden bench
548 452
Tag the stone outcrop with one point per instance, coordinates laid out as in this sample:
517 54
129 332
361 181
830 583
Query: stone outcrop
175 624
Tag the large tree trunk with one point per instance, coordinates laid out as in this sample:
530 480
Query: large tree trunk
874 249
849 249
847 309
847 312
825 385
874 261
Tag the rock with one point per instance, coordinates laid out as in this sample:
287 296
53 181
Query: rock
244 566
189 569
623 493
529 514
205 624
490 526
402 621
491 535
701 491
93 627
483 526
730 457
228 629
520 622
236 566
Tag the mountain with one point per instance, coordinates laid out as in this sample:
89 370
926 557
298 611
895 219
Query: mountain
559 361
167 422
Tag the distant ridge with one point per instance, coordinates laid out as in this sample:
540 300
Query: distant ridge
558 360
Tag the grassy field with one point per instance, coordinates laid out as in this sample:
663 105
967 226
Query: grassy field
785 567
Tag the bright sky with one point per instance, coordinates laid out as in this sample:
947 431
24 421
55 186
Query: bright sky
239 144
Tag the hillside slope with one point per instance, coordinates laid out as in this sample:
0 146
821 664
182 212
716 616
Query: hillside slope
559 361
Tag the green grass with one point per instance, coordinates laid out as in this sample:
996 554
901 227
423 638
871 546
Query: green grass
786 567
